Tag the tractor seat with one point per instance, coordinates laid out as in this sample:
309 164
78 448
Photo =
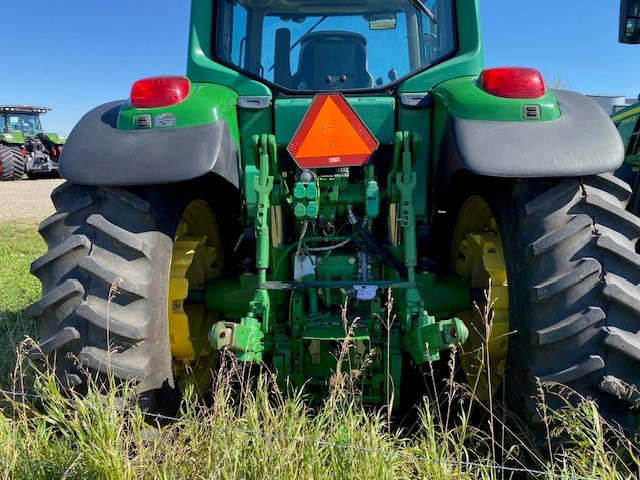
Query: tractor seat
332 60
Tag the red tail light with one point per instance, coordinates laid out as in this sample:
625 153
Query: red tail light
512 82
158 92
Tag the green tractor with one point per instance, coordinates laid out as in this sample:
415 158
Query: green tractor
627 120
24 147
327 154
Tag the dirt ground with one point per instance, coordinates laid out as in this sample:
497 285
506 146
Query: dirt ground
26 201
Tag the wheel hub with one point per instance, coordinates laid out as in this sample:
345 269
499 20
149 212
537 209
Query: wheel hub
479 259
195 260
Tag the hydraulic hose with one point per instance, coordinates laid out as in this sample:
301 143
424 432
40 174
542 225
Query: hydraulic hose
385 255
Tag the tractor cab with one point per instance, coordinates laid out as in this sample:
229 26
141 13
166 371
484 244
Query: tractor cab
343 46
26 123
21 119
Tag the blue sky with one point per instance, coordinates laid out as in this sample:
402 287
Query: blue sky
72 55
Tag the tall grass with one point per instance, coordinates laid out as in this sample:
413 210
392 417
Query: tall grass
251 429
257 432
19 246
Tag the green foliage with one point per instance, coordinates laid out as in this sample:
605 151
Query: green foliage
19 246
253 430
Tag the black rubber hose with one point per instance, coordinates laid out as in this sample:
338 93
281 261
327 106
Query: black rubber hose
385 255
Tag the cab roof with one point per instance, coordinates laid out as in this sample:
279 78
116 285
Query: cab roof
309 7
23 109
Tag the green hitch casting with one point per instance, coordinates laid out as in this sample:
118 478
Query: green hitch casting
429 337
244 339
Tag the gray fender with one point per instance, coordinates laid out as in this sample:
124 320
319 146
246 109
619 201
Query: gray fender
583 141
97 153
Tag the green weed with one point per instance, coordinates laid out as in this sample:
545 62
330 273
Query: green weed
19 246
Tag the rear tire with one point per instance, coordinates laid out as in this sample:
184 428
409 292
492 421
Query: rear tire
574 300
105 286
13 163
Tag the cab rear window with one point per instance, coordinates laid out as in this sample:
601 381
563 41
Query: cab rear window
305 46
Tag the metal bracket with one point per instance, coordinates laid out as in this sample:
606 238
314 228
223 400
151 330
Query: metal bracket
429 337
246 339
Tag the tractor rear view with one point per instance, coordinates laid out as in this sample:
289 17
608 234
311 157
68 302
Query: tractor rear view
24 147
320 154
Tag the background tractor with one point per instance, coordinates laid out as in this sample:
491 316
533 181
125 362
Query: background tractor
24 147
320 154
628 124
627 120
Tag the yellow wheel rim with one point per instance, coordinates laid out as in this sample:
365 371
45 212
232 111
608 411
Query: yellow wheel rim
196 259
478 258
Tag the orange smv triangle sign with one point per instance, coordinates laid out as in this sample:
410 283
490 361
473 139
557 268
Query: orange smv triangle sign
331 135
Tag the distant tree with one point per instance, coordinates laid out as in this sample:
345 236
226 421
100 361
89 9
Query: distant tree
556 83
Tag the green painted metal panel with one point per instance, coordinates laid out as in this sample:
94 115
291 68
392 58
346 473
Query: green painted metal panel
443 297
467 61
200 64
378 114
55 138
464 99
231 297
13 137
205 104
628 123
626 113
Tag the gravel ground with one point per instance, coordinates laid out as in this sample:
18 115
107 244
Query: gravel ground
26 201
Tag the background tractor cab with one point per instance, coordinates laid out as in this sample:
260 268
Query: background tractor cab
28 124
